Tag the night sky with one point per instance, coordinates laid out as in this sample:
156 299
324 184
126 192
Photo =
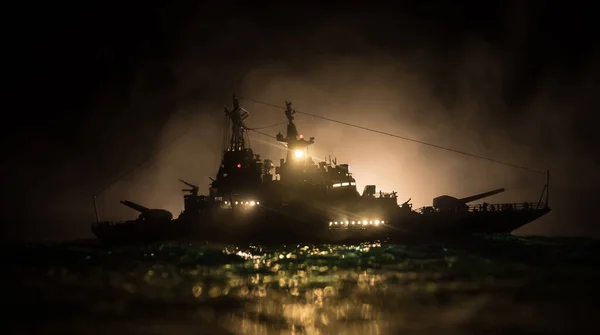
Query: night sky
93 87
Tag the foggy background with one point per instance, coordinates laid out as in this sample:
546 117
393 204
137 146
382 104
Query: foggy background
99 88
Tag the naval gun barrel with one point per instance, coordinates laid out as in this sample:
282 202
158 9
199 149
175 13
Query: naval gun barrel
193 190
481 195
147 213
135 206
188 184
446 202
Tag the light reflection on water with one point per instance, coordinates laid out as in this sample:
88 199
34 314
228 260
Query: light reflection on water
361 289
298 288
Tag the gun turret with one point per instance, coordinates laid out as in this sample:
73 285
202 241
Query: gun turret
193 190
148 213
446 202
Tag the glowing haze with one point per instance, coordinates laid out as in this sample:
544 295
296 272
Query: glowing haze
375 91
381 94
465 89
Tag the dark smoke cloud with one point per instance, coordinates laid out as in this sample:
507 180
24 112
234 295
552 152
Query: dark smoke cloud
492 85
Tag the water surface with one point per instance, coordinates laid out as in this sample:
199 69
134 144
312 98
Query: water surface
489 284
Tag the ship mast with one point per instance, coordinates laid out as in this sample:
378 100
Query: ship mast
296 144
237 115
240 170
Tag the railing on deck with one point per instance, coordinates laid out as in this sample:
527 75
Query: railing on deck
384 195
520 206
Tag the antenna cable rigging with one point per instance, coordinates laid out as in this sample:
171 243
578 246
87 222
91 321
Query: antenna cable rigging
401 137
265 127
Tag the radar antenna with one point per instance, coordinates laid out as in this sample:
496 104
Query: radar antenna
289 112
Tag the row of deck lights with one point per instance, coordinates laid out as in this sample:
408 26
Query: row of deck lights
364 222
251 203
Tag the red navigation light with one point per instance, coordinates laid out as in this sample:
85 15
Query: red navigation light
301 136
239 165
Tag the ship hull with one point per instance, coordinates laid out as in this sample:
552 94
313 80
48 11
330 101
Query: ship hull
299 226
469 222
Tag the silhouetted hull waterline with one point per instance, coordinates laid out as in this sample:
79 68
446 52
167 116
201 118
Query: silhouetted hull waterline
471 222
281 227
